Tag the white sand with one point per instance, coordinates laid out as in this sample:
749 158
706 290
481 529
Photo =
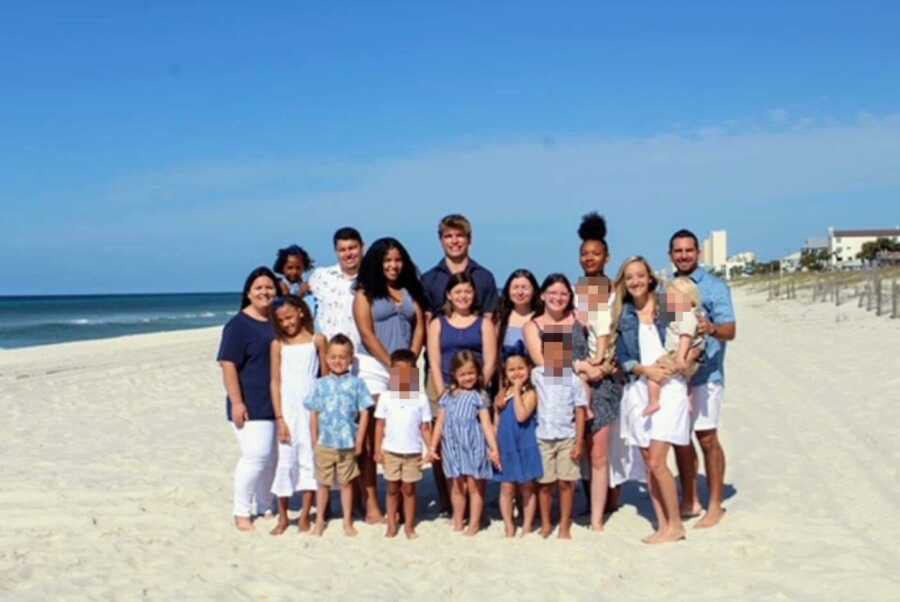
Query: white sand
117 462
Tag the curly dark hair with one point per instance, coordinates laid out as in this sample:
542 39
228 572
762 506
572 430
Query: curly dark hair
292 250
593 227
371 280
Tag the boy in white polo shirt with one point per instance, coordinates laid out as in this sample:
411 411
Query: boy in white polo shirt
403 423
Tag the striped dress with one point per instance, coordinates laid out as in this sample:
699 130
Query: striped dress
464 448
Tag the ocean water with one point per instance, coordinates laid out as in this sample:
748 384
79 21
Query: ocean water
42 320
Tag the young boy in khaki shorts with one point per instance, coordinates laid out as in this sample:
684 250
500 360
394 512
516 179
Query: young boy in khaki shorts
562 401
403 423
335 404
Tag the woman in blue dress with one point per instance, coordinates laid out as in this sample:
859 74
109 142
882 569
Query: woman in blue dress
520 458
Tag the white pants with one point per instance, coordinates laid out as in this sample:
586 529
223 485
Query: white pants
256 467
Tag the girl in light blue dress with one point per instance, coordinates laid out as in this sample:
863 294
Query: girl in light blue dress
469 443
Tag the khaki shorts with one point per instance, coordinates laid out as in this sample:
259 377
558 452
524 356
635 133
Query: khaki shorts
335 463
402 467
557 459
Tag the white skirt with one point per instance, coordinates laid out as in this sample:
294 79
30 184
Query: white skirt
373 373
625 461
296 469
672 423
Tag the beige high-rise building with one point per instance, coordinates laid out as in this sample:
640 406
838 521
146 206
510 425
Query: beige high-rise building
715 250
719 248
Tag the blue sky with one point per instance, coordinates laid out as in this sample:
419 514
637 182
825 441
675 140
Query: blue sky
172 146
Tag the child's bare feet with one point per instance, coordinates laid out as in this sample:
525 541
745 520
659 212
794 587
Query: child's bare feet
472 530
546 530
391 531
280 527
598 529
565 532
350 530
374 517
510 530
458 525
651 409
303 523
667 536
711 518
243 523
410 533
320 528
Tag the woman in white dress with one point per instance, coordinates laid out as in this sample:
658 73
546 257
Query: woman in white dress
638 345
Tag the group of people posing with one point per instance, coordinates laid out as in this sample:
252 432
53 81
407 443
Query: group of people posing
537 386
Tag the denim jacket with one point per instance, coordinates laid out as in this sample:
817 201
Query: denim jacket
628 347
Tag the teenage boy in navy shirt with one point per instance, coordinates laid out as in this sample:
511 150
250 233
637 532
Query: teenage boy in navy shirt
455 234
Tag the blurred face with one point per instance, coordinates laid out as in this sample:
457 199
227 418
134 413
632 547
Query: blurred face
516 370
593 257
339 358
404 377
637 280
289 319
556 298
392 264
349 255
461 297
521 292
557 355
294 268
467 376
591 297
261 294
685 254
677 302
455 243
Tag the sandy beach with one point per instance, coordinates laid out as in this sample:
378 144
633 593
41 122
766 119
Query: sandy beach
117 466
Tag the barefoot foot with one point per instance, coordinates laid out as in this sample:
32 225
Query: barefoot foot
303 524
350 531
320 529
243 523
710 519
280 528
410 533
391 531
651 409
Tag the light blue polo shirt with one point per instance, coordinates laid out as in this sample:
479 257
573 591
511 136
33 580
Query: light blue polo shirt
719 310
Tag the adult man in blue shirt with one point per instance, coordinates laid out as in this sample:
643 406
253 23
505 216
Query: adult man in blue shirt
708 385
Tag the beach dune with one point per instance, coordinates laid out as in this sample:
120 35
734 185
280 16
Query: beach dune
117 465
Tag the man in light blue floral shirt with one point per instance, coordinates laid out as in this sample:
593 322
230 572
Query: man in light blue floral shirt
336 403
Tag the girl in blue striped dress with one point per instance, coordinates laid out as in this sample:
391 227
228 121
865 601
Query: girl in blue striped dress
469 444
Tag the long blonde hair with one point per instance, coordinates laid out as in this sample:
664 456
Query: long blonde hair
622 293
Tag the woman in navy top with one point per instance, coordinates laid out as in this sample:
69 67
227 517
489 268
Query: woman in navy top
244 356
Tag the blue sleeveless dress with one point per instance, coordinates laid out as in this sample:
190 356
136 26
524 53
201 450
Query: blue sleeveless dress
454 340
519 453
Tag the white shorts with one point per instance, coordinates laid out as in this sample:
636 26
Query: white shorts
707 400
373 373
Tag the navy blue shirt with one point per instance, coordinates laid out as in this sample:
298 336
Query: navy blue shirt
435 282
247 344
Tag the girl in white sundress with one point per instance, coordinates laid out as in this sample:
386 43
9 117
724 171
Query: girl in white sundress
297 354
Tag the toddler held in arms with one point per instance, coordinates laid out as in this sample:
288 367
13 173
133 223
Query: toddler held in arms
684 344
